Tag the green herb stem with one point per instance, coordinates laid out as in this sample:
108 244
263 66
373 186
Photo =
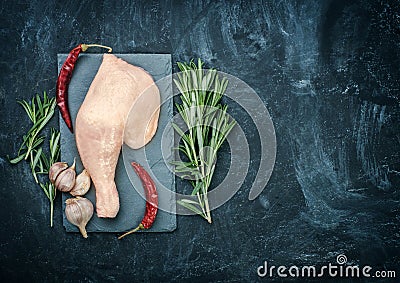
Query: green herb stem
51 212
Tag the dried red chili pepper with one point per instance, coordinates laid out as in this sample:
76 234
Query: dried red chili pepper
151 199
64 79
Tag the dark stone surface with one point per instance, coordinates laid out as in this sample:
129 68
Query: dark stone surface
131 195
328 72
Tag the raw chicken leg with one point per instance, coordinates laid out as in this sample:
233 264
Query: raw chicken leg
101 119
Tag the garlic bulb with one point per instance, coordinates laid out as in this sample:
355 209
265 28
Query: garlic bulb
65 181
82 184
79 211
56 169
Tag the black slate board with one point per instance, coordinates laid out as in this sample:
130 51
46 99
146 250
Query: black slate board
132 204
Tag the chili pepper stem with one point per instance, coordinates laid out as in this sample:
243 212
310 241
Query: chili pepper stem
86 46
140 227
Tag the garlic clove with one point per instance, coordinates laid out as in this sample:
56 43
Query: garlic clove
65 181
82 184
79 211
56 169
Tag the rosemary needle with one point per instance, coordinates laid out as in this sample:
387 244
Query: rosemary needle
207 125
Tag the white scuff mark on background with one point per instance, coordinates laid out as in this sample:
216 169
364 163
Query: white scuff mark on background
284 32
324 189
132 43
229 24
343 165
302 84
303 87
323 176
368 127
202 42
26 30
381 119
2 162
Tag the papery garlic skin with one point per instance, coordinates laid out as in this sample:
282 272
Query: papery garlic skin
56 169
65 181
82 184
79 211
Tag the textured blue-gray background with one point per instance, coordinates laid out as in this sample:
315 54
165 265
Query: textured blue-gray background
328 71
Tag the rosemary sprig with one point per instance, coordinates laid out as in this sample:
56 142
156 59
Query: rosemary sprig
207 125
40 112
